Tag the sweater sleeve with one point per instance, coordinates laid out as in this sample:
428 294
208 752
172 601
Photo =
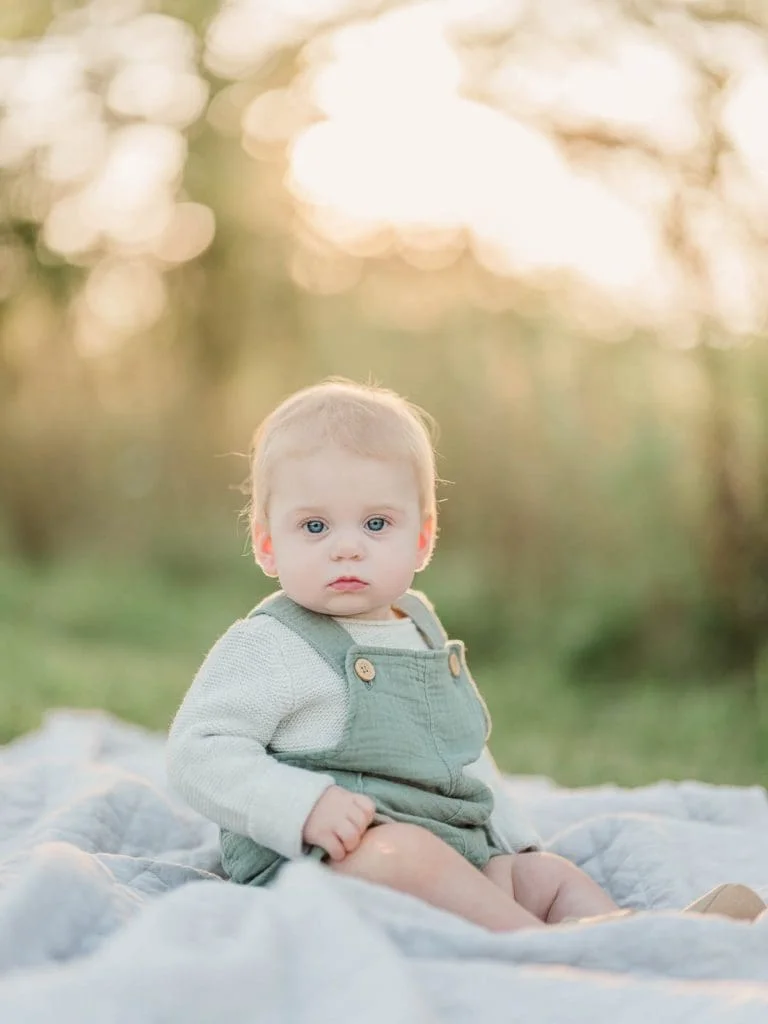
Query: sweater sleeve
508 823
217 756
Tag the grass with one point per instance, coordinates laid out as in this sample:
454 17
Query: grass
127 638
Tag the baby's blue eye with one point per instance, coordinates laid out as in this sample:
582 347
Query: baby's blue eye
314 526
376 524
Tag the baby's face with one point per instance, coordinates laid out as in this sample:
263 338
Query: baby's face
345 532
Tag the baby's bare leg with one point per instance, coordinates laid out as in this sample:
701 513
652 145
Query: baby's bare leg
413 860
550 887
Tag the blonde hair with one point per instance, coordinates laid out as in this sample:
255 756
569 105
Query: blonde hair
362 418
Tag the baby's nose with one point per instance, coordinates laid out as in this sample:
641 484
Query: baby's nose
347 546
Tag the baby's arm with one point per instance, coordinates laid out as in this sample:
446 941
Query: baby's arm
216 754
507 820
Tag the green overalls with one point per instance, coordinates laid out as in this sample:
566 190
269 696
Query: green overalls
415 721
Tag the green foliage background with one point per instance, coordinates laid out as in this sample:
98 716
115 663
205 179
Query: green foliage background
604 538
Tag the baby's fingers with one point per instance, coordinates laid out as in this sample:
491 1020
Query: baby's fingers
366 806
359 818
333 846
349 834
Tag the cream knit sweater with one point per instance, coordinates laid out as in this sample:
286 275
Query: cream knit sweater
263 687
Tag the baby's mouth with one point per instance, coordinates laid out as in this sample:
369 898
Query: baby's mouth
347 584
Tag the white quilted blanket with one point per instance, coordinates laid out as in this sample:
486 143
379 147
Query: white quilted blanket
110 911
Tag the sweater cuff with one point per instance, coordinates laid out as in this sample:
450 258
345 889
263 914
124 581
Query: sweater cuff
293 794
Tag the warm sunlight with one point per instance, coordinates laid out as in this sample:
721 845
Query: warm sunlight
402 146
398 143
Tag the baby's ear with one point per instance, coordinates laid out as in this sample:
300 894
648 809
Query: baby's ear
426 542
262 549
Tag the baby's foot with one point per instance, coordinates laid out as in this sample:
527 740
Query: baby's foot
730 900
612 915
738 902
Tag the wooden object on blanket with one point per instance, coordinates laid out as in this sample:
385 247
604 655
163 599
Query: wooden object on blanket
729 900
738 902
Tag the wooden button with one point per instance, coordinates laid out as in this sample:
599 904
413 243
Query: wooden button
364 670
454 664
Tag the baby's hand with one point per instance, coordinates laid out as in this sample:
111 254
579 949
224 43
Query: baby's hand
338 821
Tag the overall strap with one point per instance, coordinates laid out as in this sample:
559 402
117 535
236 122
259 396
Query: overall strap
419 610
323 633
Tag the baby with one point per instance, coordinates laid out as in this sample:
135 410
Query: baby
337 720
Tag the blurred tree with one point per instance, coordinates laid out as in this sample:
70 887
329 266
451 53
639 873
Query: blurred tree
716 44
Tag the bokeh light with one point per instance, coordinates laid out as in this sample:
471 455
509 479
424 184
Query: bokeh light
100 105
399 147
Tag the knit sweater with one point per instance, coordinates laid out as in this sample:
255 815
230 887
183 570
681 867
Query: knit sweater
263 688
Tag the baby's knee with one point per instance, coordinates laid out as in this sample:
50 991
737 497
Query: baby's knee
539 866
390 853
